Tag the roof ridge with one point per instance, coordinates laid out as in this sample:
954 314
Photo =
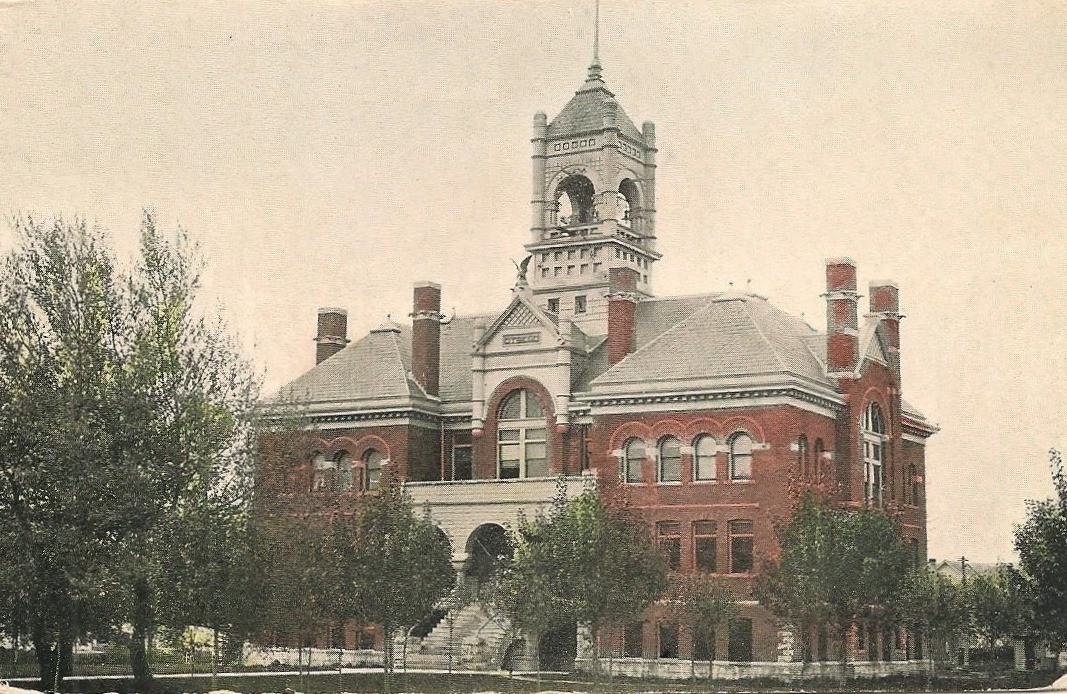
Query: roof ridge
763 335
399 356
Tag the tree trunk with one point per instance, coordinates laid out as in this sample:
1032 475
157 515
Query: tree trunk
843 637
215 660
46 661
142 623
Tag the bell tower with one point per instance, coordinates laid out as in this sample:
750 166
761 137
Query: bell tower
594 203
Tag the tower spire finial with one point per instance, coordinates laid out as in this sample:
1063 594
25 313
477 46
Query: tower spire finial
594 67
596 33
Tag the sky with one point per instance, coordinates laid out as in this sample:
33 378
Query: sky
334 153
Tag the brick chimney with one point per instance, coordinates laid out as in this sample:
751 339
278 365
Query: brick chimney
885 304
842 326
622 312
426 337
332 334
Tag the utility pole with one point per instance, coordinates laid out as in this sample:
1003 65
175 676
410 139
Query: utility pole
967 618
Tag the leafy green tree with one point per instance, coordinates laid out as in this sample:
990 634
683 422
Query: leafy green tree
702 603
1042 545
126 414
70 490
597 559
836 567
935 607
392 565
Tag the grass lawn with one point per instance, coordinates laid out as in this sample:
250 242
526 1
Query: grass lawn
441 683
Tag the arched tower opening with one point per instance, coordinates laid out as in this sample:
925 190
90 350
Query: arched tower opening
488 550
574 201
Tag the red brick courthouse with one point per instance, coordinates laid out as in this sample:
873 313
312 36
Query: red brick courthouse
705 410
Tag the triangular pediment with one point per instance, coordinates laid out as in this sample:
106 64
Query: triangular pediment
522 323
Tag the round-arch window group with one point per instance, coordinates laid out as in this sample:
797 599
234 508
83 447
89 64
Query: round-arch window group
668 457
340 472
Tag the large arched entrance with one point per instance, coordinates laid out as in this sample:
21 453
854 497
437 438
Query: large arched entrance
488 550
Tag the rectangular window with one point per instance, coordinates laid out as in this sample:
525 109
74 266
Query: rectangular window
740 647
558 255
705 536
740 546
461 456
596 267
556 271
668 640
570 255
553 305
669 534
584 254
584 270
703 645
579 304
544 272
570 269
544 257
633 645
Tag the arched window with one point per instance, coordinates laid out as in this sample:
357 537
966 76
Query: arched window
816 469
633 457
704 458
873 436
915 484
342 461
372 462
803 461
322 471
741 457
670 460
522 437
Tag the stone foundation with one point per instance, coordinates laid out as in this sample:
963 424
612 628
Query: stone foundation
676 669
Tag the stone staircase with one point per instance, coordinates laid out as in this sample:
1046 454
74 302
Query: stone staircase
478 635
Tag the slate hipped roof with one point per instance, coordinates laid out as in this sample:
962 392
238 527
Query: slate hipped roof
687 338
586 110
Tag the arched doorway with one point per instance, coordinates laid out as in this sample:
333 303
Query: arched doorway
488 549
559 648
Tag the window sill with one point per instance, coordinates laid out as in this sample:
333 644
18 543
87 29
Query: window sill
704 482
744 481
669 484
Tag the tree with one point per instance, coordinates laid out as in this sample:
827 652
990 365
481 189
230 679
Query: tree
70 493
934 606
392 565
702 603
836 567
126 417
597 559
1042 545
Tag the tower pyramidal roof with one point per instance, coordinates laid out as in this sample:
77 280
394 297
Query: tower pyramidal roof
590 107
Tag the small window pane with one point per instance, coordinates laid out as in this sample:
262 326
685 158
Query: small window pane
508 434
511 408
536 434
509 452
533 406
